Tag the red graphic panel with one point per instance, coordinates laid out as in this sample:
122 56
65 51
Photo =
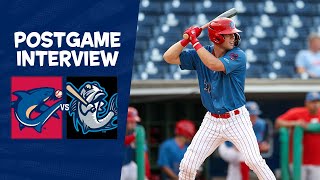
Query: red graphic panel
52 128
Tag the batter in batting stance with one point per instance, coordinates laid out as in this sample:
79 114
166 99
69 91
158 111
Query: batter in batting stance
221 70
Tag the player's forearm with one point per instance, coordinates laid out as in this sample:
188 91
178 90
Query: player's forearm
172 55
314 127
210 61
170 173
283 123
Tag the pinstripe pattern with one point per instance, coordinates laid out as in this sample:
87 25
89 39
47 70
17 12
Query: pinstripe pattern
213 132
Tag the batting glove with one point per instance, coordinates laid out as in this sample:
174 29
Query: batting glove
194 40
194 29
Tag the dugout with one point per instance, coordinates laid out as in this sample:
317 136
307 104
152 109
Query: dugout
162 103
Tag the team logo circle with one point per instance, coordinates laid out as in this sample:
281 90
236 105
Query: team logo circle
233 56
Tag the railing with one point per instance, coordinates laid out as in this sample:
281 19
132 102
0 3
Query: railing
143 88
140 144
297 150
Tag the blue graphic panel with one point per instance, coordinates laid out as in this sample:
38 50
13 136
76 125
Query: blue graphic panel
64 38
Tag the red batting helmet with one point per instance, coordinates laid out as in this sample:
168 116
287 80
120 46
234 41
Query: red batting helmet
133 115
185 128
221 26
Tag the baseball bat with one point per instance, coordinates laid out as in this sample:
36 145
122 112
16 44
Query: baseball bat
76 94
230 13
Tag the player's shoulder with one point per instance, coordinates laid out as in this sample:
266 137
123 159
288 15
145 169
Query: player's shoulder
304 52
236 54
168 142
238 51
236 48
298 110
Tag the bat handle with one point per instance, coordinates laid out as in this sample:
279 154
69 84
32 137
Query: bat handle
186 36
205 26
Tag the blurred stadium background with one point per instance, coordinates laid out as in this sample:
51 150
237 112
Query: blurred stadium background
273 33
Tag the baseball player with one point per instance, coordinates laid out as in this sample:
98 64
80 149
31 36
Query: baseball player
221 70
303 116
172 150
129 169
237 169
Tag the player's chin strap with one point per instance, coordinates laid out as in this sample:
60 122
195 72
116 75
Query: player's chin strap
237 39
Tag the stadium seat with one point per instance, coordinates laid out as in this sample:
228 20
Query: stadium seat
138 57
255 70
289 44
282 70
262 57
316 20
198 20
144 32
206 8
259 32
155 55
304 8
179 7
135 72
183 74
172 19
256 44
283 56
151 7
246 20
270 33
298 21
269 7
141 45
276 8
249 8
314 29
268 21
239 5
166 30
147 19
264 21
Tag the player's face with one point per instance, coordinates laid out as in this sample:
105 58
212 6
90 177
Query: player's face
228 41
253 118
315 44
131 125
313 106
187 140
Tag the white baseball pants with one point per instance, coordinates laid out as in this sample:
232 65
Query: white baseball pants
129 171
213 132
233 157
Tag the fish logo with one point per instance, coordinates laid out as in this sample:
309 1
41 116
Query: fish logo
34 100
89 109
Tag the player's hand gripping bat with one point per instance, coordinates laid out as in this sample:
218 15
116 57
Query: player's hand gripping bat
230 13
